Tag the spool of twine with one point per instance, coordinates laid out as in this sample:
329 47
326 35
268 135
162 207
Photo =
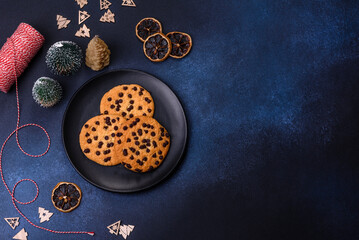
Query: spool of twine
27 41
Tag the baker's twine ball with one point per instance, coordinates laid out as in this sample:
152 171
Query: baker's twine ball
16 54
47 92
64 58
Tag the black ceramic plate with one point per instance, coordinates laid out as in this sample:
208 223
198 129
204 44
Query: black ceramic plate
86 103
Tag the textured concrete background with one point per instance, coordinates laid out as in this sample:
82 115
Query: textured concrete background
270 90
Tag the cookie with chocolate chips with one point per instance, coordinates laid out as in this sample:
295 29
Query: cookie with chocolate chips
145 144
128 101
98 139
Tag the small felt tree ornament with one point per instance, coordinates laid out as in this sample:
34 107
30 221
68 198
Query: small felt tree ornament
64 58
46 92
97 54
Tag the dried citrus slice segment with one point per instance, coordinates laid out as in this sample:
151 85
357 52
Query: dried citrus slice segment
146 27
181 44
66 196
157 47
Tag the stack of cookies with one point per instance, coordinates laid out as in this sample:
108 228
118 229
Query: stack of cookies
125 132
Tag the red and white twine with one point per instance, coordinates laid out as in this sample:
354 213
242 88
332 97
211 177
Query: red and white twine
15 55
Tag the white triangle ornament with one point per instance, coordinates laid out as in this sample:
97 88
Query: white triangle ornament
83 16
114 228
104 4
62 22
22 235
84 31
81 3
125 230
13 222
128 3
108 17
44 214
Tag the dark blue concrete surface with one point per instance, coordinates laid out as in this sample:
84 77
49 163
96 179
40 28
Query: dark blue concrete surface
270 90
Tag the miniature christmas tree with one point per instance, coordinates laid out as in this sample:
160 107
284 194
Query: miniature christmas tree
64 58
97 54
46 92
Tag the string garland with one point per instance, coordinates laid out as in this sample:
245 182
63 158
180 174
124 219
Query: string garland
15 55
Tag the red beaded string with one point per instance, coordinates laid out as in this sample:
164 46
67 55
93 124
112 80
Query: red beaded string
12 193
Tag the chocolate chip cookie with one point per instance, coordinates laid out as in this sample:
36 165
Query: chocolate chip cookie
145 144
98 138
128 101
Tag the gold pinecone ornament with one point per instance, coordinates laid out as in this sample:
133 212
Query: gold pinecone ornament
97 54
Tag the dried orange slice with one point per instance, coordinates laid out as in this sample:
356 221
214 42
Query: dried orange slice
66 196
146 27
157 47
181 44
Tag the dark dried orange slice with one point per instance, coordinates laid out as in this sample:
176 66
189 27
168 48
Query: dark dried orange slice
181 44
157 47
146 27
66 196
